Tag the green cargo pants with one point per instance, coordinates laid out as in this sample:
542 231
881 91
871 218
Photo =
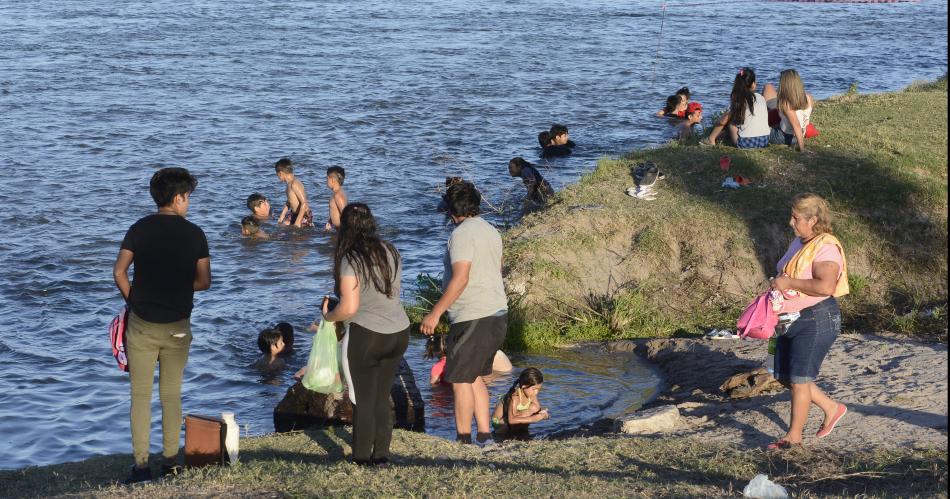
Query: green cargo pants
147 343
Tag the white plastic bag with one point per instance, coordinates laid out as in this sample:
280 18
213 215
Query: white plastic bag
762 488
323 369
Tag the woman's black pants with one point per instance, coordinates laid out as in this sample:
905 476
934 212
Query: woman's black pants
374 359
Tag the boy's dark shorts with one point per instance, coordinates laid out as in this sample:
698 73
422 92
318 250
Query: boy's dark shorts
470 347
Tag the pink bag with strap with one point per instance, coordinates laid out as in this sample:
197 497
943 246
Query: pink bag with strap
117 338
758 321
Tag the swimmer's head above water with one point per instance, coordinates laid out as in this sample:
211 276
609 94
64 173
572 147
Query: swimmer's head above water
516 165
249 226
335 176
270 342
284 169
559 135
544 138
259 206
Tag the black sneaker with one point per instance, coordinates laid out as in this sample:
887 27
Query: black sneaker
463 438
382 462
483 437
170 470
139 475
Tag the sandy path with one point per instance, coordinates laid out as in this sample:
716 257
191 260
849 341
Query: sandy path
895 390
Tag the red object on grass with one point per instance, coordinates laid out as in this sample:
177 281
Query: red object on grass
725 161
811 131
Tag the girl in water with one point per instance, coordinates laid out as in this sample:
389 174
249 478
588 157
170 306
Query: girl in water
520 406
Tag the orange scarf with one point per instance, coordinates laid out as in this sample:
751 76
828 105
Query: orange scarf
805 257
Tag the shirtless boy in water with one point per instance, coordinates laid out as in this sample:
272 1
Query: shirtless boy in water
335 176
296 211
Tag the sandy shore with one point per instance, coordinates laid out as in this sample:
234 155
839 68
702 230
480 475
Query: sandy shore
895 390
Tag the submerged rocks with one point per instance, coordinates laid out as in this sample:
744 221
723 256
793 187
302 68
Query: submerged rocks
408 409
302 408
656 420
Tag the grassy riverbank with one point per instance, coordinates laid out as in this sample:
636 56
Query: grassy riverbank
598 264
312 464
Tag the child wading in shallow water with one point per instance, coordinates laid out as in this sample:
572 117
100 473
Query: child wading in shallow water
296 211
271 343
520 406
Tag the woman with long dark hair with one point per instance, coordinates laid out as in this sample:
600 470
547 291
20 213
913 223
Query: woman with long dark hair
367 272
748 115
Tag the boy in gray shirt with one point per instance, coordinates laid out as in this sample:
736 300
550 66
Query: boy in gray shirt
473 294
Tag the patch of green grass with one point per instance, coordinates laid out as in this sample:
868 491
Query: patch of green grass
425 293
314 464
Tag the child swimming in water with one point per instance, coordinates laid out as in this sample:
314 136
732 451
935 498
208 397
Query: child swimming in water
259 206
693 124
676 104
544 139
520 406
560 143
271 343
250 227
335 177
286 334
296 211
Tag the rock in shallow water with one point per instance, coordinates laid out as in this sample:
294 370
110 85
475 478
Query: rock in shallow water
302 408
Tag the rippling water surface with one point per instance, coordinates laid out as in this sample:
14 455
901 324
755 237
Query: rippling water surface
94 96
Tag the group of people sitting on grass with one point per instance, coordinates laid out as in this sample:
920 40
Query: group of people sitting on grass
776 116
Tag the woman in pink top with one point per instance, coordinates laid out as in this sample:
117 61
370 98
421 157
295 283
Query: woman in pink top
814 266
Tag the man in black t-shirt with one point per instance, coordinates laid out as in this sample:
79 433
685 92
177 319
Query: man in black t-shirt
170 259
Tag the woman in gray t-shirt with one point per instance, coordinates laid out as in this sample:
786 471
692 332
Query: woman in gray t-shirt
367 271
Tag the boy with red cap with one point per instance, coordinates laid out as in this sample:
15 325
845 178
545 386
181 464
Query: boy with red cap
694 116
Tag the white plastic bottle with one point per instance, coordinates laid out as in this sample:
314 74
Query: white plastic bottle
232 436
769 363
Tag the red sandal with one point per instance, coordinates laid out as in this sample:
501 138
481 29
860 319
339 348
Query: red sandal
824 431
779 445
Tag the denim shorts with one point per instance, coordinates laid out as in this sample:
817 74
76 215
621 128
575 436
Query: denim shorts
800 351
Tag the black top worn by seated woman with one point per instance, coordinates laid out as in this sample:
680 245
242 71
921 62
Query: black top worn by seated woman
166 248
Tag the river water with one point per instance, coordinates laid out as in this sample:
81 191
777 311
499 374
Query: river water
95 95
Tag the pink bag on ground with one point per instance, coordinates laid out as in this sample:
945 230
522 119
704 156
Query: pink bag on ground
758 320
